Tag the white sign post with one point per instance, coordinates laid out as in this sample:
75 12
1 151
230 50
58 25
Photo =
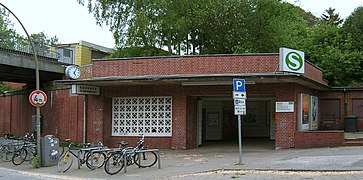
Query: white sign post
239 97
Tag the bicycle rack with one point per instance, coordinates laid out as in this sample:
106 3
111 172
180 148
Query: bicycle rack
85 150
157 151
97 150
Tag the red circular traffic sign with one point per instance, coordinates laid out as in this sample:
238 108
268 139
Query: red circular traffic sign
37 98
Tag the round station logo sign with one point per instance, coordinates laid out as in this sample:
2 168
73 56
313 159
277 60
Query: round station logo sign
38 98
291 60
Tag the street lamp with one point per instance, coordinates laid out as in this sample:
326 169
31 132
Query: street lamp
36 81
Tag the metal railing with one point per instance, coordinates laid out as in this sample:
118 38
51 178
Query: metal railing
41 51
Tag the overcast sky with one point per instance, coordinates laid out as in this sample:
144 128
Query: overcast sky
71 22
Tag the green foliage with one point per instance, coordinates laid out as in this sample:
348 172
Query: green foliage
4 87
327 47
238 175
10 39
331 18
36 161
201 27
353 26
8 35
142 28
139 52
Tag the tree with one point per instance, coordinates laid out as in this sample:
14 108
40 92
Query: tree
327 47
331 18
8 36
139 52
353 26
204 26
238 26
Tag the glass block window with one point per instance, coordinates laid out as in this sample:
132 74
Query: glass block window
151 116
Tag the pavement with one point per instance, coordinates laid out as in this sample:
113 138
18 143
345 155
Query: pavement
221 161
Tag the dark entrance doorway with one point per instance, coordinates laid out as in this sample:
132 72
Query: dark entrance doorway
218 122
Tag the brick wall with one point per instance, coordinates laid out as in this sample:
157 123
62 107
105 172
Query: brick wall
346 107
63 115
15 115
314 139
217 64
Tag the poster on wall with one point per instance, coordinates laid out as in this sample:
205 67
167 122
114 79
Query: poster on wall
314 113
303 115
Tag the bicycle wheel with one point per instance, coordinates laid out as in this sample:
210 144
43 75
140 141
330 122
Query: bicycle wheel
6 155
65 162
145 159
19 157
30 151
114 164
60 150
99 159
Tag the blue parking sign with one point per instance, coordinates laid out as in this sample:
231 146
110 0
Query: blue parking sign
239 85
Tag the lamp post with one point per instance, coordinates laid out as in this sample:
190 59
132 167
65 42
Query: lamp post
36 80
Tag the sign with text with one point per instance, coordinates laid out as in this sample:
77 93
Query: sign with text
85 90
285 106
239 95
239 110
240 102
239 85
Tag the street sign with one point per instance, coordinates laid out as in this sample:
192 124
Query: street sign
240 102
38 98
239 85
239 110
239 95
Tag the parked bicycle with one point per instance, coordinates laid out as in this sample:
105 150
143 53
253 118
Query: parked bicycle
26 152
82 155
8 147
134 155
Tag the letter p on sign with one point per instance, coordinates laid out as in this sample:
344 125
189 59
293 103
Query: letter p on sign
239 85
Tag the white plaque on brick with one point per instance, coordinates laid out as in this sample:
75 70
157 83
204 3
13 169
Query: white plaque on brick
285 106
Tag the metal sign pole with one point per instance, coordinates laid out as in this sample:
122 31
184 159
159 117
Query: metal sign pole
36 79
240 138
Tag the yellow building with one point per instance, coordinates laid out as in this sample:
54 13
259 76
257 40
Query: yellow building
81 53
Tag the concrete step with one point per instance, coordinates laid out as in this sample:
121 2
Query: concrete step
353 142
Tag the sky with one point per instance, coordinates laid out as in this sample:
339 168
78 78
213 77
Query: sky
71 22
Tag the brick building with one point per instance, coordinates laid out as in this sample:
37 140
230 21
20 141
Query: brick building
183 101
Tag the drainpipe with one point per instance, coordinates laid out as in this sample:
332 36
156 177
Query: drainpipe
11 109
345 103
85 118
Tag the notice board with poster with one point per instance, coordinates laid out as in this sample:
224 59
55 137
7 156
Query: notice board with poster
303 112
314 113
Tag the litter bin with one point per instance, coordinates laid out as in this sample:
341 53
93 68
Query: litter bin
49 150
350 123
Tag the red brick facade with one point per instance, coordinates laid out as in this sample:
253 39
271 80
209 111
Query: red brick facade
66 116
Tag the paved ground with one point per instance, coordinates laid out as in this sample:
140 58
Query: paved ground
260 161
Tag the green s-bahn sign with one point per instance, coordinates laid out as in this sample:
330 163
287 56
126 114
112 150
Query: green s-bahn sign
292 61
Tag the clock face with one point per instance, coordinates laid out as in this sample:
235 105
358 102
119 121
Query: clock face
73 72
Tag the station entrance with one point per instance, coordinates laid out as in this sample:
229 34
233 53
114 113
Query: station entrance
217 122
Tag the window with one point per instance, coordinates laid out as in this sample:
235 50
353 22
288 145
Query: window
65 55
151 116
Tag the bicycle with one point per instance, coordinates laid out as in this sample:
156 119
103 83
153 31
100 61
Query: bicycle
66 160
27 151
7 149
116 161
